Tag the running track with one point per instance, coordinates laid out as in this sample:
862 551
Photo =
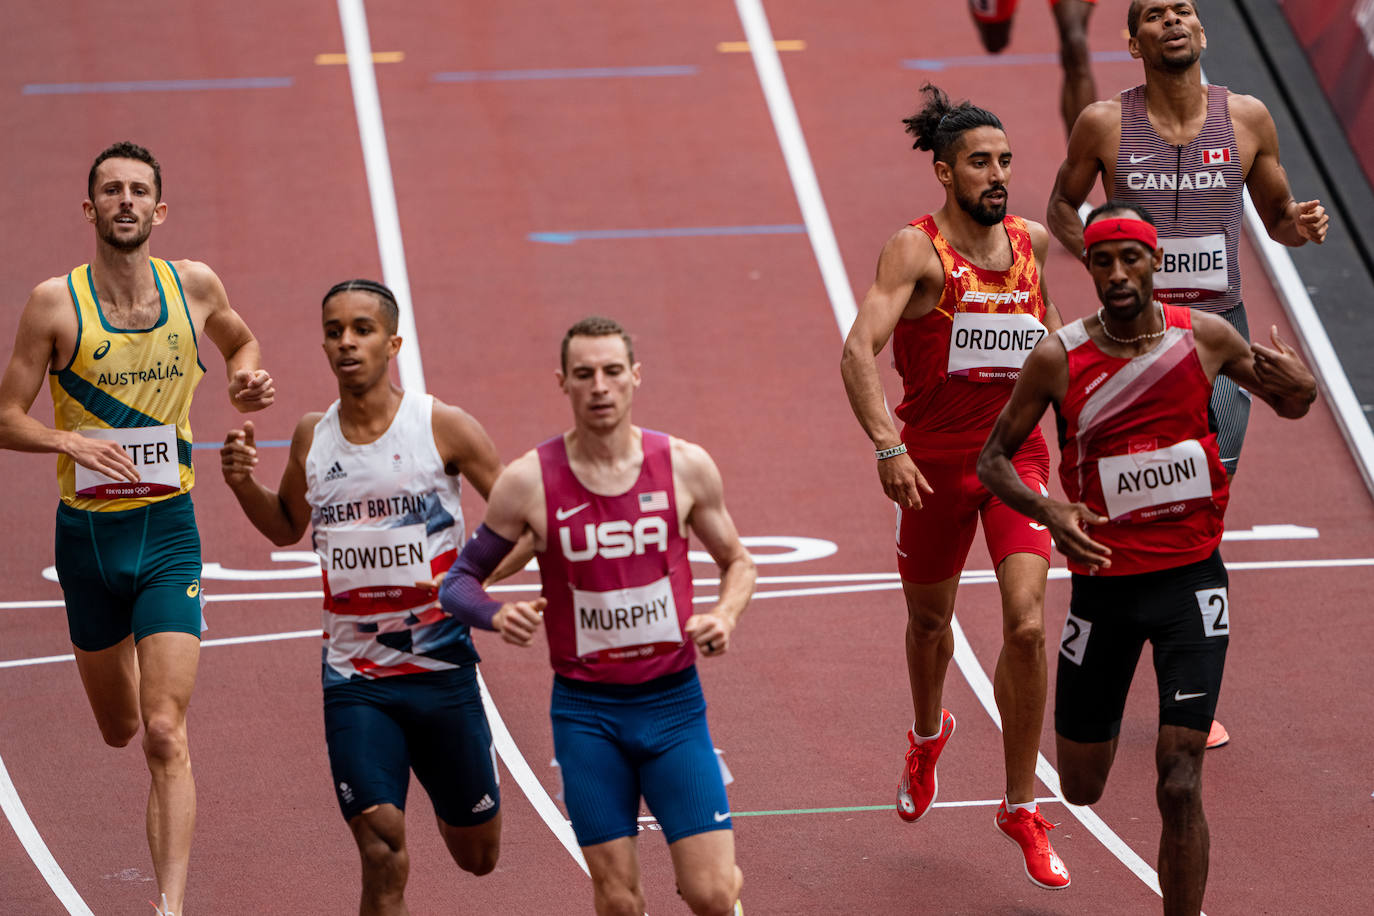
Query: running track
650 154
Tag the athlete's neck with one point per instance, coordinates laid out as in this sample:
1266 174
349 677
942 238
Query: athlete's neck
987 246
606 461
1176 103
364 416
123 279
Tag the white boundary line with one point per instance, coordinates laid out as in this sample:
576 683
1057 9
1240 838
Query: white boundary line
38 851
366 102
827 252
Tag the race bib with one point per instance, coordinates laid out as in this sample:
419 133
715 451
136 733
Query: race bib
628 623
377 568
987 347
1147 485
1194 270
154 452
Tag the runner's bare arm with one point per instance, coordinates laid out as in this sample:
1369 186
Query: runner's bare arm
1044 381
250 386
467 449
1040 242
35 347
284 515
1287 221
697 480
1091 144
1278 375
908 261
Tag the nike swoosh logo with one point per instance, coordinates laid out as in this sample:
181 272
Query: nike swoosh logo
720 817
1180 695
562 514
1136 160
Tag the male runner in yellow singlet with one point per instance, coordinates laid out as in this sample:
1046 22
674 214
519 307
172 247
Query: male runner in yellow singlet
119 341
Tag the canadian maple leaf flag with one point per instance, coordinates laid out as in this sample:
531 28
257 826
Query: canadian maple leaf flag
1213 156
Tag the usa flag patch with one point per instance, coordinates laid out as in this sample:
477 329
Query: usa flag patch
653 501
1213 156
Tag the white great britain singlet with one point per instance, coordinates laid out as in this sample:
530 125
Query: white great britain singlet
385 516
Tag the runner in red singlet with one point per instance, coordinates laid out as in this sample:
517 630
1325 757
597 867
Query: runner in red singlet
1147 493
1183 150
961 295
994 19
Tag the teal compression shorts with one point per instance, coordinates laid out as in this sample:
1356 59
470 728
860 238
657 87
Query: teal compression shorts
135 571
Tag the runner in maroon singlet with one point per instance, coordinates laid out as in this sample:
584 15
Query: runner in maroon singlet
1147 493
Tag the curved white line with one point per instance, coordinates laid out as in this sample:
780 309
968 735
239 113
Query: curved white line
36 848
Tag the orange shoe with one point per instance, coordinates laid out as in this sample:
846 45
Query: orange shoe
1217 736
1027 829
918 785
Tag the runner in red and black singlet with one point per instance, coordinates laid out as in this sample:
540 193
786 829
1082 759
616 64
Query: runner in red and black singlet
607 506
1131 386
961 295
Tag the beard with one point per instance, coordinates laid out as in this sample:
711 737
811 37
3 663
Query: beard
106 230
983 213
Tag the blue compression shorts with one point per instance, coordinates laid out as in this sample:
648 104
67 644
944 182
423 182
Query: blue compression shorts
617 742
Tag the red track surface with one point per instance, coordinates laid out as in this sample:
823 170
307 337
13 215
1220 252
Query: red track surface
740 354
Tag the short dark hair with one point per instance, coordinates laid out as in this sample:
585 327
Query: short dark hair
939 125
391 312
596 326
125 150
1133 15
1117 206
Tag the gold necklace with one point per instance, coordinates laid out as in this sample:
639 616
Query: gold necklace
1102 320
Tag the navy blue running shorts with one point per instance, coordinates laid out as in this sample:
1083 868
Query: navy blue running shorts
378 730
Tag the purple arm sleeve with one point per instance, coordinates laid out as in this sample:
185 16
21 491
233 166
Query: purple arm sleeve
462 595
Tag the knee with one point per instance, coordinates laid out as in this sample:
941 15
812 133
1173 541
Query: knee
479 859
1080 791
716 896
926 624
1024 633
164 739
385 865
119 733
1180 784
614 898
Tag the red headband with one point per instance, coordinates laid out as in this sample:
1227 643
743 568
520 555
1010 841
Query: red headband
1110 230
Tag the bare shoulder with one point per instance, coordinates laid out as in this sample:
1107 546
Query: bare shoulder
1039 236
304 434
1099 121
694 467
452 419
911 253
49 308
523 475
1212 329
201 284
1247 109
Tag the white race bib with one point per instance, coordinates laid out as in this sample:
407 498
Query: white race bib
1144 486
628 623
378 565
1193 269
154 452
987 347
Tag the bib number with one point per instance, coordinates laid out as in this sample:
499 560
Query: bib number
377 567
1073 642
1193 270
153 450
989 347
1215 608
627 624
1148 485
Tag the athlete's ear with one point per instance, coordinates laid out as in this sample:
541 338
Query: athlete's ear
88 210
1133 46
1204 36
562 380
159 213
636 374
1158 258
393 345
944 173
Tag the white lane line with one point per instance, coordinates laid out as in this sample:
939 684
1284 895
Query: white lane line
36 848
366 102
798 159
842 304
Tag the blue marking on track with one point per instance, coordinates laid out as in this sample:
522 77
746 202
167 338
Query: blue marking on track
268 443
571 236
245 82
574 73
1004 60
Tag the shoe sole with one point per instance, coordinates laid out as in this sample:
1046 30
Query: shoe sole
911 819
1024 867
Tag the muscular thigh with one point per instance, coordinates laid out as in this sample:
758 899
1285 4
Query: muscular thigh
1189 635
1098 652
681 777
600 780
933 541
450 745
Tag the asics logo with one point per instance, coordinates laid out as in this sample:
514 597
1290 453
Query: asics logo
1136 160
193 589
720 817
101 350
1180 695
561 514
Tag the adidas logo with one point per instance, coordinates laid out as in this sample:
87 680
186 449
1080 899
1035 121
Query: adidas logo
486 804
335 473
